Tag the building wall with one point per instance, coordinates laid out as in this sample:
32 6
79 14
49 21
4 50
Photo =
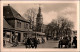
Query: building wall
22 28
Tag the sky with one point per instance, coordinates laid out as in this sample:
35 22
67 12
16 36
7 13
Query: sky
49 11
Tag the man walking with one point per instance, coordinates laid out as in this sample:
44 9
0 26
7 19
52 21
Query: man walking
35 42
74 41
28 43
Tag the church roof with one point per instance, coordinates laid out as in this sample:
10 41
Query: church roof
10 12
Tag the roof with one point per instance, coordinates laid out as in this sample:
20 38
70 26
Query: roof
13 13
6 25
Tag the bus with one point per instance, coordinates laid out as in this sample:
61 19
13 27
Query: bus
41 37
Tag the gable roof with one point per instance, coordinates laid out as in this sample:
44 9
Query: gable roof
13 13
6 25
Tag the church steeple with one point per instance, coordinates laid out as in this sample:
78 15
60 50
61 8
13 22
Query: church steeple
39 21
39 10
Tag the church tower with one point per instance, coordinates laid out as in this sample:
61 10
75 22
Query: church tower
39 21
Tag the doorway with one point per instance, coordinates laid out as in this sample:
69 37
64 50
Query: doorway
19 37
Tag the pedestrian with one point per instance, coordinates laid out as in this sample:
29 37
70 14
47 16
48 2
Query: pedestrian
38 41
43 40
69 40
35 42
32 43
25 41
16 41
74 41
60 42
13 37
28 43
13 40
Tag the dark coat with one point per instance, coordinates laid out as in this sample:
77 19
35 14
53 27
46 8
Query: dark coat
28 41
35 41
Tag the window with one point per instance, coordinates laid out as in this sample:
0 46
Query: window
25 25
19 24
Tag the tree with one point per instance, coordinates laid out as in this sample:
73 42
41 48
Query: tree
65 25
60 26
50 29
31 15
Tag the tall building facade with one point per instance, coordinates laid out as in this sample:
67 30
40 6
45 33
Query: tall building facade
39 21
